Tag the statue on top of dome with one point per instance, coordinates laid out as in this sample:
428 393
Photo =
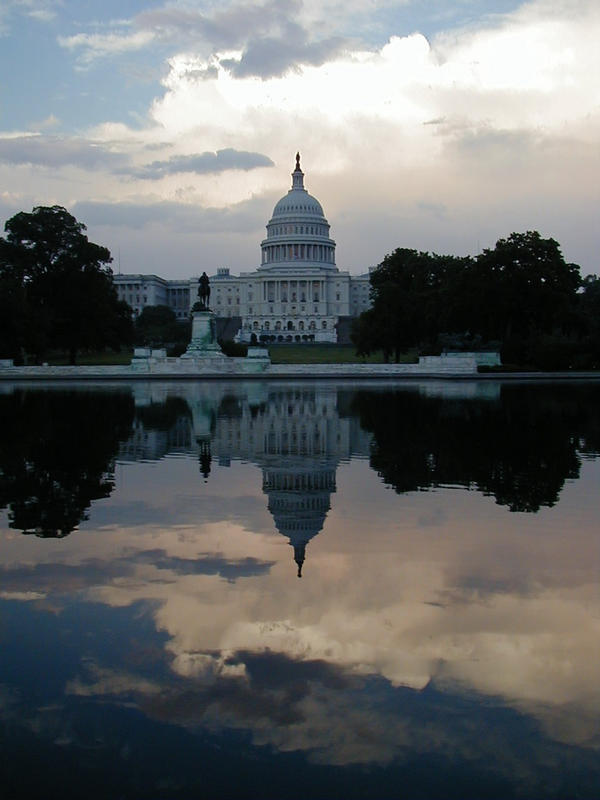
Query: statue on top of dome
298 161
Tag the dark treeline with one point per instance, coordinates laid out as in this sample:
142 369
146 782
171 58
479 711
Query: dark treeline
520 447
521 297
56 289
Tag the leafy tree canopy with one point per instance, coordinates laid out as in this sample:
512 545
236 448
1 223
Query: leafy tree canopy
522 288
157 326
62 285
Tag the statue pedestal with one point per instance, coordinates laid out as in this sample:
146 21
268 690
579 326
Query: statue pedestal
204 337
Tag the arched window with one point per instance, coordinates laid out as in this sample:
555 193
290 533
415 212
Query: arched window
255 325
290 325
267 325
278 325
324 324
301 325
313 325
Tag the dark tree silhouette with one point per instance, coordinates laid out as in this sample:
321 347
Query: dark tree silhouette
515 293
63 285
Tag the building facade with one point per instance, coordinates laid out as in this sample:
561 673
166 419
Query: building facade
297 294
140 291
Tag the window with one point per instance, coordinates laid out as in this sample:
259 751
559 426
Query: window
324 324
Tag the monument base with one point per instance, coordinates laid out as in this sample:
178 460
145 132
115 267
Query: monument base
204 337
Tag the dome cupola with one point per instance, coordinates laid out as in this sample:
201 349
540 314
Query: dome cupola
298 233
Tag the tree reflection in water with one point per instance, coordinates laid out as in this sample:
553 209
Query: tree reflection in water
57 455
520 447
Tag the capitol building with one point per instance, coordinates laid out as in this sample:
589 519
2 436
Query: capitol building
297 294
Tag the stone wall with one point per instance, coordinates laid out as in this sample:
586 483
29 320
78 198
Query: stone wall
463 364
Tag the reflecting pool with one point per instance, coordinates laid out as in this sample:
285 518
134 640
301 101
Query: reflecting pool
300 590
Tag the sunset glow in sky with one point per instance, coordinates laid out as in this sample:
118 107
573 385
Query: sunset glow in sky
170 128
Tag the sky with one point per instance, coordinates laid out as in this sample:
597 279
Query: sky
170 128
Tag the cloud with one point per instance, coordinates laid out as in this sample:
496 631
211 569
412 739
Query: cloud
268 57
92 46
39 10
270 38
202 163
483 129
226 28
56 151
56 578
51 121
241 217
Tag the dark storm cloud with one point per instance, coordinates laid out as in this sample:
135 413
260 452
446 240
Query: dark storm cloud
57 151
224 29
240 218
203 163
272 40
271 57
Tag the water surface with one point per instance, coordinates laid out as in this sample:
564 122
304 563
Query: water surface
300 590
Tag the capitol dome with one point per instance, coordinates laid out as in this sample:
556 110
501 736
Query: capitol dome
293 203
298 233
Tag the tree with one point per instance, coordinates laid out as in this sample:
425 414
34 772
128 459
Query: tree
156 325
63 283
517 293
526 286
410 291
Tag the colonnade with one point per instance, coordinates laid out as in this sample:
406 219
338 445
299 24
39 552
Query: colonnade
294 291
323 253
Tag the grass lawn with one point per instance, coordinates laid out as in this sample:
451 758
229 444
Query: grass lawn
91 359
280 354
323 354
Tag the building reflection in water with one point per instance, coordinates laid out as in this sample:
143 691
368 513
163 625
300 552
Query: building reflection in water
296 436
